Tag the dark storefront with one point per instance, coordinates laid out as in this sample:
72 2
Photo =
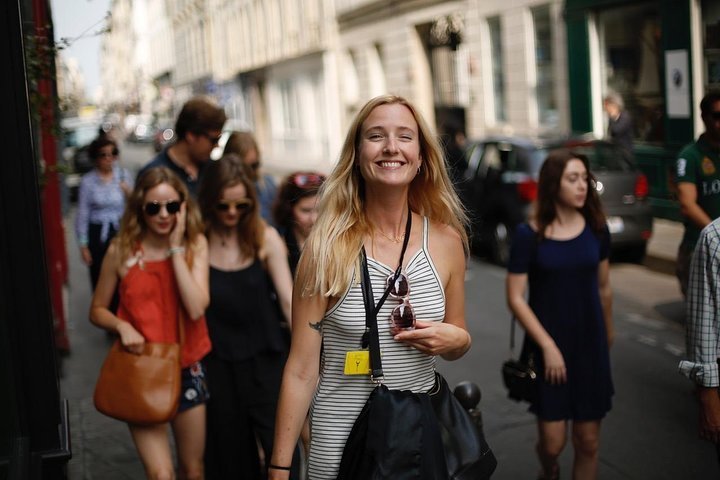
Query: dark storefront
650 53
34 436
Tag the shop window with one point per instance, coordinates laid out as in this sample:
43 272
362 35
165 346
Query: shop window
545 83
631 63
498 73
290 106
711 43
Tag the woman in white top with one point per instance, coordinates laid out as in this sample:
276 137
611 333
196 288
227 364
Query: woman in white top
390 166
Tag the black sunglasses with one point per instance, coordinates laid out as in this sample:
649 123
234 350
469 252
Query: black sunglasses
112 154
213 139
714 115
153 208
241 206
402 317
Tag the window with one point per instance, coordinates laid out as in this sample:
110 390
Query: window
498 76
545 83
631 61
290 106
711 43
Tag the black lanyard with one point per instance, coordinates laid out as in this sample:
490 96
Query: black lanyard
370 337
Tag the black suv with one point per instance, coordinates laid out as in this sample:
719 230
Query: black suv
499 186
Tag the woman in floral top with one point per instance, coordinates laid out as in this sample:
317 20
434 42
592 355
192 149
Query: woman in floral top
101 202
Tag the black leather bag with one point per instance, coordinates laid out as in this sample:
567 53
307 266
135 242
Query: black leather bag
520 376
402 435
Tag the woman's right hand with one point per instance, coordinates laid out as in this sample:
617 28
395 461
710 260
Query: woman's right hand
86 256
555 372
130 338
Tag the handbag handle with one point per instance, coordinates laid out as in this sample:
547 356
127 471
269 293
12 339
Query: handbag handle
371 310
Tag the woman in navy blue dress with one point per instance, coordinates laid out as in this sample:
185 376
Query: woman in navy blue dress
562 256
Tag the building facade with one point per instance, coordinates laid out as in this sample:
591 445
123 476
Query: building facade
274 62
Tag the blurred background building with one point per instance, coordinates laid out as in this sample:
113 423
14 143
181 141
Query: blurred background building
296 71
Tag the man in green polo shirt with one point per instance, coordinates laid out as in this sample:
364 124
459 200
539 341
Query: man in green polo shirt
698 183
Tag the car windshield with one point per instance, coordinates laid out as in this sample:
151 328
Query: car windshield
80 136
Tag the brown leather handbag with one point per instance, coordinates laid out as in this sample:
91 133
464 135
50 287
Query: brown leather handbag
141 389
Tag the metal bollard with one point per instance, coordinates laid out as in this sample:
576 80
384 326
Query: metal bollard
468 394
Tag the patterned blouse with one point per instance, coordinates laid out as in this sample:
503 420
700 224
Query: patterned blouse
100 202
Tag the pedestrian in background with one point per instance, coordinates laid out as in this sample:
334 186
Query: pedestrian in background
620 123
698 184
159 260
198 129
244 145
101 202
703 331
562 256
248 262
295 211
390 185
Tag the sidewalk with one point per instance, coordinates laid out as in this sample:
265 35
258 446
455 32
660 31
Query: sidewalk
662 247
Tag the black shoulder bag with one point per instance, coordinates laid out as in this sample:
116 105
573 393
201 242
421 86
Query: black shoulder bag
520 376
402 435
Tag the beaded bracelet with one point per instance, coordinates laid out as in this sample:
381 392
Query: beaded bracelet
173 250
277 467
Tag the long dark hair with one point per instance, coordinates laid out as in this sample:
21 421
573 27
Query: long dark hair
219 175
294 188
549 186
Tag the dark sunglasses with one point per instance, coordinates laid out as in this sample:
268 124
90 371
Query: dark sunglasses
213 139
153 208
114 153
307 180
253 166
402 316
241 205
714 115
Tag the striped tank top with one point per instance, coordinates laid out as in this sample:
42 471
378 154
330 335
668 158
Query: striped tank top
340 398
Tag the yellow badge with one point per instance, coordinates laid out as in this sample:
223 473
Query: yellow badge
708 167
357 362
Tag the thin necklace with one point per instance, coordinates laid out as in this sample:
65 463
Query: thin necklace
396 239
223 238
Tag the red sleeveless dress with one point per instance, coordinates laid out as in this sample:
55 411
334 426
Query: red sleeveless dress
150 301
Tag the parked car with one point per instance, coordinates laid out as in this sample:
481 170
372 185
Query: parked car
77 134
499 187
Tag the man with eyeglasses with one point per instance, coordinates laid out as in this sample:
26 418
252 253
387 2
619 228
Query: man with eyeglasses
698 184
198 129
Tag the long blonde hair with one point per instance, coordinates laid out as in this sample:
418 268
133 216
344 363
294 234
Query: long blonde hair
132 224
333 247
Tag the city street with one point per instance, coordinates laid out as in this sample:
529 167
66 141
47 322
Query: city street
651 433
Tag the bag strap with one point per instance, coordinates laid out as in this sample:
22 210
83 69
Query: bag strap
371 335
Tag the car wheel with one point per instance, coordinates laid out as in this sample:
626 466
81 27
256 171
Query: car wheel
500 241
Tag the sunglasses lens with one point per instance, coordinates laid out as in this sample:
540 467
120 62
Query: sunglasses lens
173 207
403 317
239 206
152 208
400 287
715 116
